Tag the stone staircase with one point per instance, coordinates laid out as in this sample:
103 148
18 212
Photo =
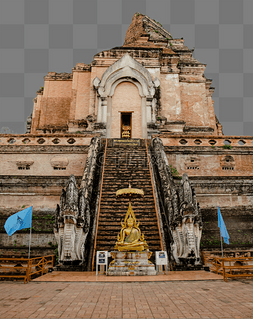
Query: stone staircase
124 165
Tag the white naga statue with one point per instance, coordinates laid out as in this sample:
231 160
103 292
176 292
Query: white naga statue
181 211
72 223
73 215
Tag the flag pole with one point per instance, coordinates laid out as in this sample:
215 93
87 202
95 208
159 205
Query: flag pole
221 245
30 239
220 237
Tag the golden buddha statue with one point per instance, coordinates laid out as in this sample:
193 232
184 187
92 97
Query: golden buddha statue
130 237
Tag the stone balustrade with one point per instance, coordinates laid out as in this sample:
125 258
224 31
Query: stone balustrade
80 139
45 139
212 141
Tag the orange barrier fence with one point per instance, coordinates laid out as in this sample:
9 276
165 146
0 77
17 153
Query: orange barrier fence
24 267
229 267
236 267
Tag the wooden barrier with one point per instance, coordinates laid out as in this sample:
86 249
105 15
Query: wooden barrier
24 267
237 267
230 267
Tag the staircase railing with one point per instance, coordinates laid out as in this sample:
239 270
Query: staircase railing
157 210
95 224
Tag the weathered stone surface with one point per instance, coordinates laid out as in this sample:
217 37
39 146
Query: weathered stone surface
181 211
73 215
124 165
131 264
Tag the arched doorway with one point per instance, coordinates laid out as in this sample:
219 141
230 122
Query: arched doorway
126 110
134 94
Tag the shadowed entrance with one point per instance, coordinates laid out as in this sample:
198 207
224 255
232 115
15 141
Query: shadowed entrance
126 125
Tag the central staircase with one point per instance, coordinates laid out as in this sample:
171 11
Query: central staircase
124 165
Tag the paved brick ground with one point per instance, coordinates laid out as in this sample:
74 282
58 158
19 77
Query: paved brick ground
178 299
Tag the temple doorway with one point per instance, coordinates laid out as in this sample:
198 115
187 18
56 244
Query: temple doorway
126 125
125 109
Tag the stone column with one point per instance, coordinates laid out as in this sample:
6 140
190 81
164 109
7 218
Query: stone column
144 117
109 117
104 109
153 111
148 110
99 114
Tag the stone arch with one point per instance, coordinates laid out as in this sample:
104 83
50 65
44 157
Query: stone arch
136 83
125 61
126 69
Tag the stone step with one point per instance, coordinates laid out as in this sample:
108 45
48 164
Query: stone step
140 215
111 229
107 204
121 167
147 224
112 243
105 247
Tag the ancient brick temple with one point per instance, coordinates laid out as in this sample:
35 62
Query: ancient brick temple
139 101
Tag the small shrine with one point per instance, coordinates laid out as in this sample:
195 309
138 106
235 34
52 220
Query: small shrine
131 255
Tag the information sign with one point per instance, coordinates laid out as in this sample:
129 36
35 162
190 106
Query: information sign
101 260
126 142
161 258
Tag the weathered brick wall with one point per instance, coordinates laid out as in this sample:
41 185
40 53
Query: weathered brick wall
43 164
55 104
43 193
42 240
36 113
234 196
170 97
225 163
126 98
194 109
239 224
81 95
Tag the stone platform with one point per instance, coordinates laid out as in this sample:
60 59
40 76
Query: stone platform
131 264
86 276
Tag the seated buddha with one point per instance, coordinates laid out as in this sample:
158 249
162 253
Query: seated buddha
130 237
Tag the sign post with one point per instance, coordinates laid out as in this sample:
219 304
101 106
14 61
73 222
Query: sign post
102 261
161 258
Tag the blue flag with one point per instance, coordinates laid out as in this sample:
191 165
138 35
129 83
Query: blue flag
20 220
223 229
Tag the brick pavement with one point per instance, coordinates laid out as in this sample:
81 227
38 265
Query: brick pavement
177 299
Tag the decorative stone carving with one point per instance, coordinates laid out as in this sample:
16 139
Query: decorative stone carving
182 212
73 215
59 162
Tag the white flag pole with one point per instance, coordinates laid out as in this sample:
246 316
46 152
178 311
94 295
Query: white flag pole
221 244
30 239
220 233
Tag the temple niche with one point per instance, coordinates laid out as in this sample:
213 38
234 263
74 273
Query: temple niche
141 113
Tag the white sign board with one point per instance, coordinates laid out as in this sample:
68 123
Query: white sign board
102 260
161 258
